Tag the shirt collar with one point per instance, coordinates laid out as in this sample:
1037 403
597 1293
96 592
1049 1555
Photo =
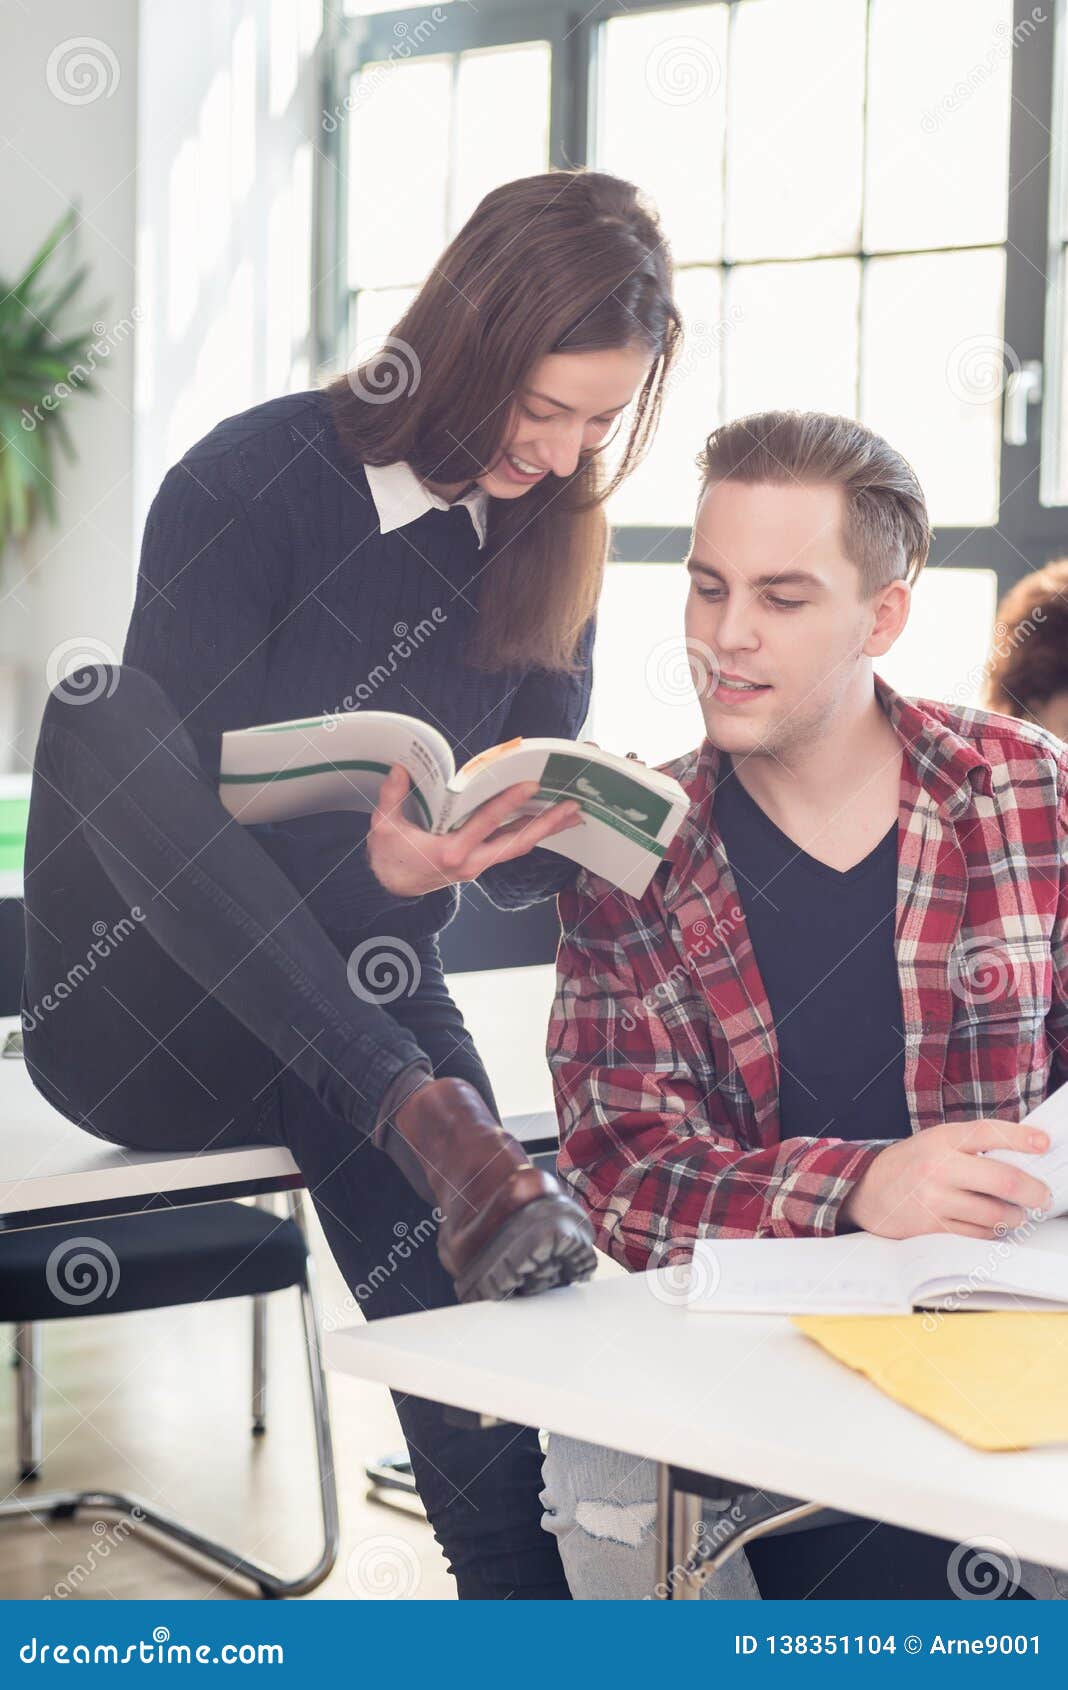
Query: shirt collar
400 497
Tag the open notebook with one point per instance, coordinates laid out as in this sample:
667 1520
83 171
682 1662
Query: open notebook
859 1273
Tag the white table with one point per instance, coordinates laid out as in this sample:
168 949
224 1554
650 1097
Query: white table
748 1399
50 1170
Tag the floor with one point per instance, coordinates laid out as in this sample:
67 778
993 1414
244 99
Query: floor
159 1406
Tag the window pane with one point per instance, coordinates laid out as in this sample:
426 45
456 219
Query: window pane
1055 408
660 113
947 638
793 339
663 489
398 157
938 123
933 371
373 315
643 693
502 122
795 115
1054 487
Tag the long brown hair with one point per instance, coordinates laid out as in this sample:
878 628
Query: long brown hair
567 261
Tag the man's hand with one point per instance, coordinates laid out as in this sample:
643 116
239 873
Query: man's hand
936 1181
409 861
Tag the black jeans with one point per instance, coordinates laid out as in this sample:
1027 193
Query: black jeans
179 994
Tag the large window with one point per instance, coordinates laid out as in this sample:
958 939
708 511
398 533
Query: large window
864 199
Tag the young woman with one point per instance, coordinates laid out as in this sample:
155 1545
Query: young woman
426 535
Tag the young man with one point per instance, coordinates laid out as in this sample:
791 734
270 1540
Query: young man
848 978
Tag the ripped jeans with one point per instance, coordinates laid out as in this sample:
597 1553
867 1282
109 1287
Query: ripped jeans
601 1508
600 1505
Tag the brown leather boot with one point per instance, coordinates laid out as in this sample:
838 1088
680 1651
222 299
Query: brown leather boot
508 1229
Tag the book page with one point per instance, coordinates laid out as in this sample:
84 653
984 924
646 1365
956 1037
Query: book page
1052 1165
949 1271
299 768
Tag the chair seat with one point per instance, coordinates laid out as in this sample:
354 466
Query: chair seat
199 1254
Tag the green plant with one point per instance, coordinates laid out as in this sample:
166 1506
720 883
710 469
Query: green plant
40 369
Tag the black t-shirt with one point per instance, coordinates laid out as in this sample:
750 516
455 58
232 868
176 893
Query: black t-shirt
824 944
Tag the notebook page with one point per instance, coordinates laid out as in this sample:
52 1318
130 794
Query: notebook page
951 1272
857 1272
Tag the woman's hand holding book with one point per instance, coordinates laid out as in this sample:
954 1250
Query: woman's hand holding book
409 861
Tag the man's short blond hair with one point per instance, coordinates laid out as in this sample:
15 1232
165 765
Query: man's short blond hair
887 532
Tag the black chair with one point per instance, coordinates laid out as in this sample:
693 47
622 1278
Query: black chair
161 1259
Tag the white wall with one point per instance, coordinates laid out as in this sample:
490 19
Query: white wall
72 582
191 164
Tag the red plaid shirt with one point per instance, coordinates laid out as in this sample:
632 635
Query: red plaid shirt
661 1044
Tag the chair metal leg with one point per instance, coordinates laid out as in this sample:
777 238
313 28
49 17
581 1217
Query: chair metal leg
28 1351
65 1505
259 1334
391 1482
259 1365
685 1561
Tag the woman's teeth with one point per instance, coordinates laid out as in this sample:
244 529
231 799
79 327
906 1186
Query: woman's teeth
521 466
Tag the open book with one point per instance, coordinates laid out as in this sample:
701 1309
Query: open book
630 813
860 1273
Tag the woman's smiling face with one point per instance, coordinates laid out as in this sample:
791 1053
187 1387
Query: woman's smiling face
569 404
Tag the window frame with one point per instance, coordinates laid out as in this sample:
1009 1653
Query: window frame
1027 532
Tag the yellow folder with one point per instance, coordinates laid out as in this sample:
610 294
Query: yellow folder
998 1381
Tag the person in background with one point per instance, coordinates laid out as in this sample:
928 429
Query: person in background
1027 675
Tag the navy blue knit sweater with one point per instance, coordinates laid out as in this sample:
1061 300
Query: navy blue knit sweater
266 591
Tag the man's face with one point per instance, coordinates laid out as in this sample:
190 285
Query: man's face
775 601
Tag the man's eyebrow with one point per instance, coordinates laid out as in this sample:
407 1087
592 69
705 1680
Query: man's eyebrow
792 577
559 403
